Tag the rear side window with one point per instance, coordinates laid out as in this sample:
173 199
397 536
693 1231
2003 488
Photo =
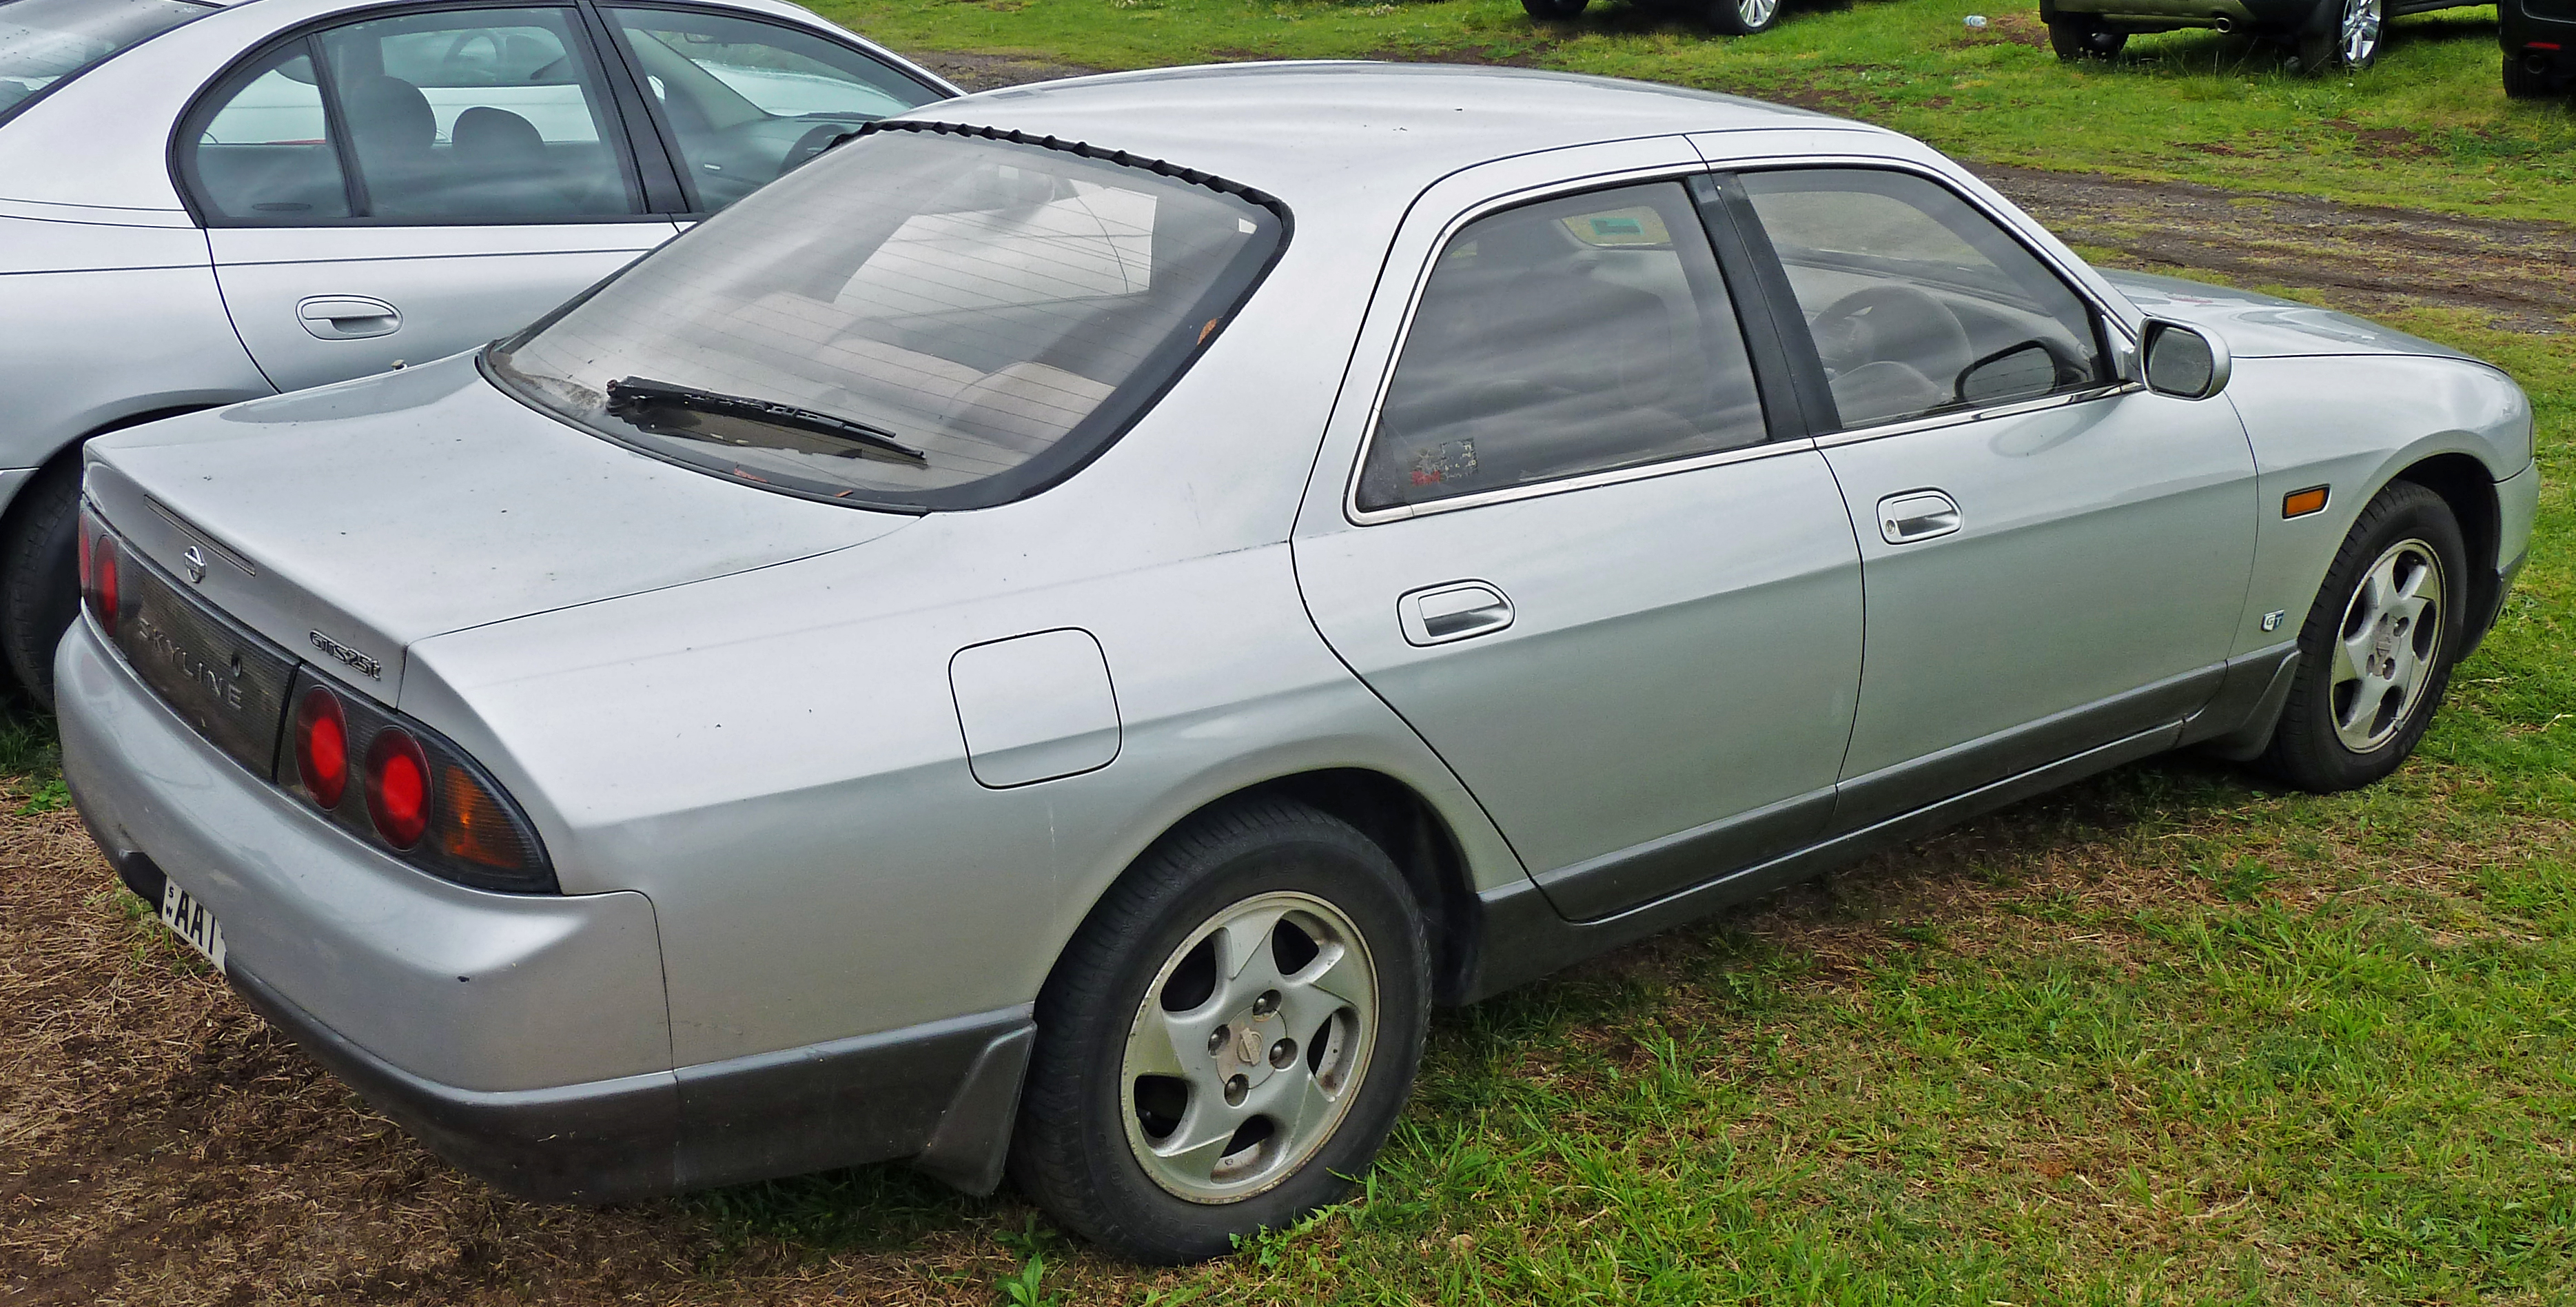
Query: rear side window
1573 336
260 148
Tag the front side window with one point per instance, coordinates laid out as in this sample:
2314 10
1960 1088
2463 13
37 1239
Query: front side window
44 43
477 115
1916 302
746 101
919 320
1572 336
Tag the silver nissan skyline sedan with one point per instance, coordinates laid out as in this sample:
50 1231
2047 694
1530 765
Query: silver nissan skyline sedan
1042 642
204 201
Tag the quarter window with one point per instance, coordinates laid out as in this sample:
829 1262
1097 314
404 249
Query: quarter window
1562 338
746 101
1916 302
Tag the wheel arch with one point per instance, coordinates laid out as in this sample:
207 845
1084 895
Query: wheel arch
2464 484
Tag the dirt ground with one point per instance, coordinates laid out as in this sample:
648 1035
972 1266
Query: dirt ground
158 1144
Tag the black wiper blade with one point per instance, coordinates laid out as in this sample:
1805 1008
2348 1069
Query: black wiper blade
634 398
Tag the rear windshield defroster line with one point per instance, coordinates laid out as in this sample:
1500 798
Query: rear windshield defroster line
1009 305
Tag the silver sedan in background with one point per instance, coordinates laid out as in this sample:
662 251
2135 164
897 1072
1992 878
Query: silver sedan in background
1044 641
203 202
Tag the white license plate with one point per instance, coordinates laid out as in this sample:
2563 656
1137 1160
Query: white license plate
192 921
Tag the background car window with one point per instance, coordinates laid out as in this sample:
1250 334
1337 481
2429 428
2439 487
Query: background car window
490 114
259 148
1905 287
746 101
44 43
1572 336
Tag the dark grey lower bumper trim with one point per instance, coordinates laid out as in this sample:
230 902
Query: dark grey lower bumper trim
944 1091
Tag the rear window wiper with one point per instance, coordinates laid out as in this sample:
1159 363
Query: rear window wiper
635 399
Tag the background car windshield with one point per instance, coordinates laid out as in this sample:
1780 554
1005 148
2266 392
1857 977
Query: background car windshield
43 42
1003 309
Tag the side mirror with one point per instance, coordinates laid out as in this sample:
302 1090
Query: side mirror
2183 362
2026 370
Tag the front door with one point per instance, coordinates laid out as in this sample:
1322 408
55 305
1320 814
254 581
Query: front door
2053 560
1576 563
397 189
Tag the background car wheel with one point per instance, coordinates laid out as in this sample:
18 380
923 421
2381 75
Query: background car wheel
1554 11
40 576
1233 1030
1743 17
2077 37
2374 655
2350 40
2521 83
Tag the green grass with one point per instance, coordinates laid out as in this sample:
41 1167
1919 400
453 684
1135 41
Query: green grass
2428 128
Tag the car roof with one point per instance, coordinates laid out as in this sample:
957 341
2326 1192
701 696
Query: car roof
1301 129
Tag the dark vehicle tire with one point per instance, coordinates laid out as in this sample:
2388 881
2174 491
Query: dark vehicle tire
2349 38
2375 653
40 577
1743 17
2520 83
1231 1032
2078 37
1555 11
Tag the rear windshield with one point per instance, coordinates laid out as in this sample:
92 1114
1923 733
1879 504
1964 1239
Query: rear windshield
44 43
917 320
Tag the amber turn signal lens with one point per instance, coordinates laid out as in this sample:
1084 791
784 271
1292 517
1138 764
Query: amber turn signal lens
472 825
2300 503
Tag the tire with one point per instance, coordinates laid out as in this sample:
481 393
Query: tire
2521 83
2080 37
40 576
2349 40
1555 11
2344 726
1106 1144
1743 17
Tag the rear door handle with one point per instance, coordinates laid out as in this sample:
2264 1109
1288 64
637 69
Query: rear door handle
1916 515
1456 611
347 317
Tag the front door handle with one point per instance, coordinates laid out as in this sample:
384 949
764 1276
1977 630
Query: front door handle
1456 611
1916 515
347 317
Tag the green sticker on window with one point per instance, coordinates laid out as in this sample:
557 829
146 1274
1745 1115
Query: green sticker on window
1640 226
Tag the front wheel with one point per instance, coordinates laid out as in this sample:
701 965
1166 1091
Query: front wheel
1230 1034
2079 37
1555 11
2375 653
1743 17
2350 41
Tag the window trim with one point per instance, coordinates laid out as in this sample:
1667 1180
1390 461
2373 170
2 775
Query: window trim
1779 436
614 130
689 209
1789 318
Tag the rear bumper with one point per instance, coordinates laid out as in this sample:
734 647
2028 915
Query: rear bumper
522 1037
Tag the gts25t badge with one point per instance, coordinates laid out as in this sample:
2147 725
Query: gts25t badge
344 653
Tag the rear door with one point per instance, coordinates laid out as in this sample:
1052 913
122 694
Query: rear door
1575 560
396 189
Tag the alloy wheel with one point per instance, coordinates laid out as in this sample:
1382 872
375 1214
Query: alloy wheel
2357 42
2389 644
1757 14
1249 1047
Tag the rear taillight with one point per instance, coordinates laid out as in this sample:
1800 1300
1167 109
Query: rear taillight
397 787
98 573
417 795
322 747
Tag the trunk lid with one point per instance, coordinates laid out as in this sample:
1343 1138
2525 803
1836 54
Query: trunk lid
344 524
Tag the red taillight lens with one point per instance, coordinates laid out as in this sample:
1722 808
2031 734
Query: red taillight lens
322 747
398 787
101 590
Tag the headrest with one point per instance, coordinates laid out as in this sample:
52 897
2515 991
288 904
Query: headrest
497 134
388 113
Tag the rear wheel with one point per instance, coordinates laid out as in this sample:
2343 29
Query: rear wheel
2350 40
1231 1033
40 576
1554 11
1743 17
2078 37
2375 653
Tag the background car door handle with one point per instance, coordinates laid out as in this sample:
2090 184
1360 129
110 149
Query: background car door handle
347 317
1456 611
1916 515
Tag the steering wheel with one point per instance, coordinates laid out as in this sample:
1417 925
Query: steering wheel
1891 323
